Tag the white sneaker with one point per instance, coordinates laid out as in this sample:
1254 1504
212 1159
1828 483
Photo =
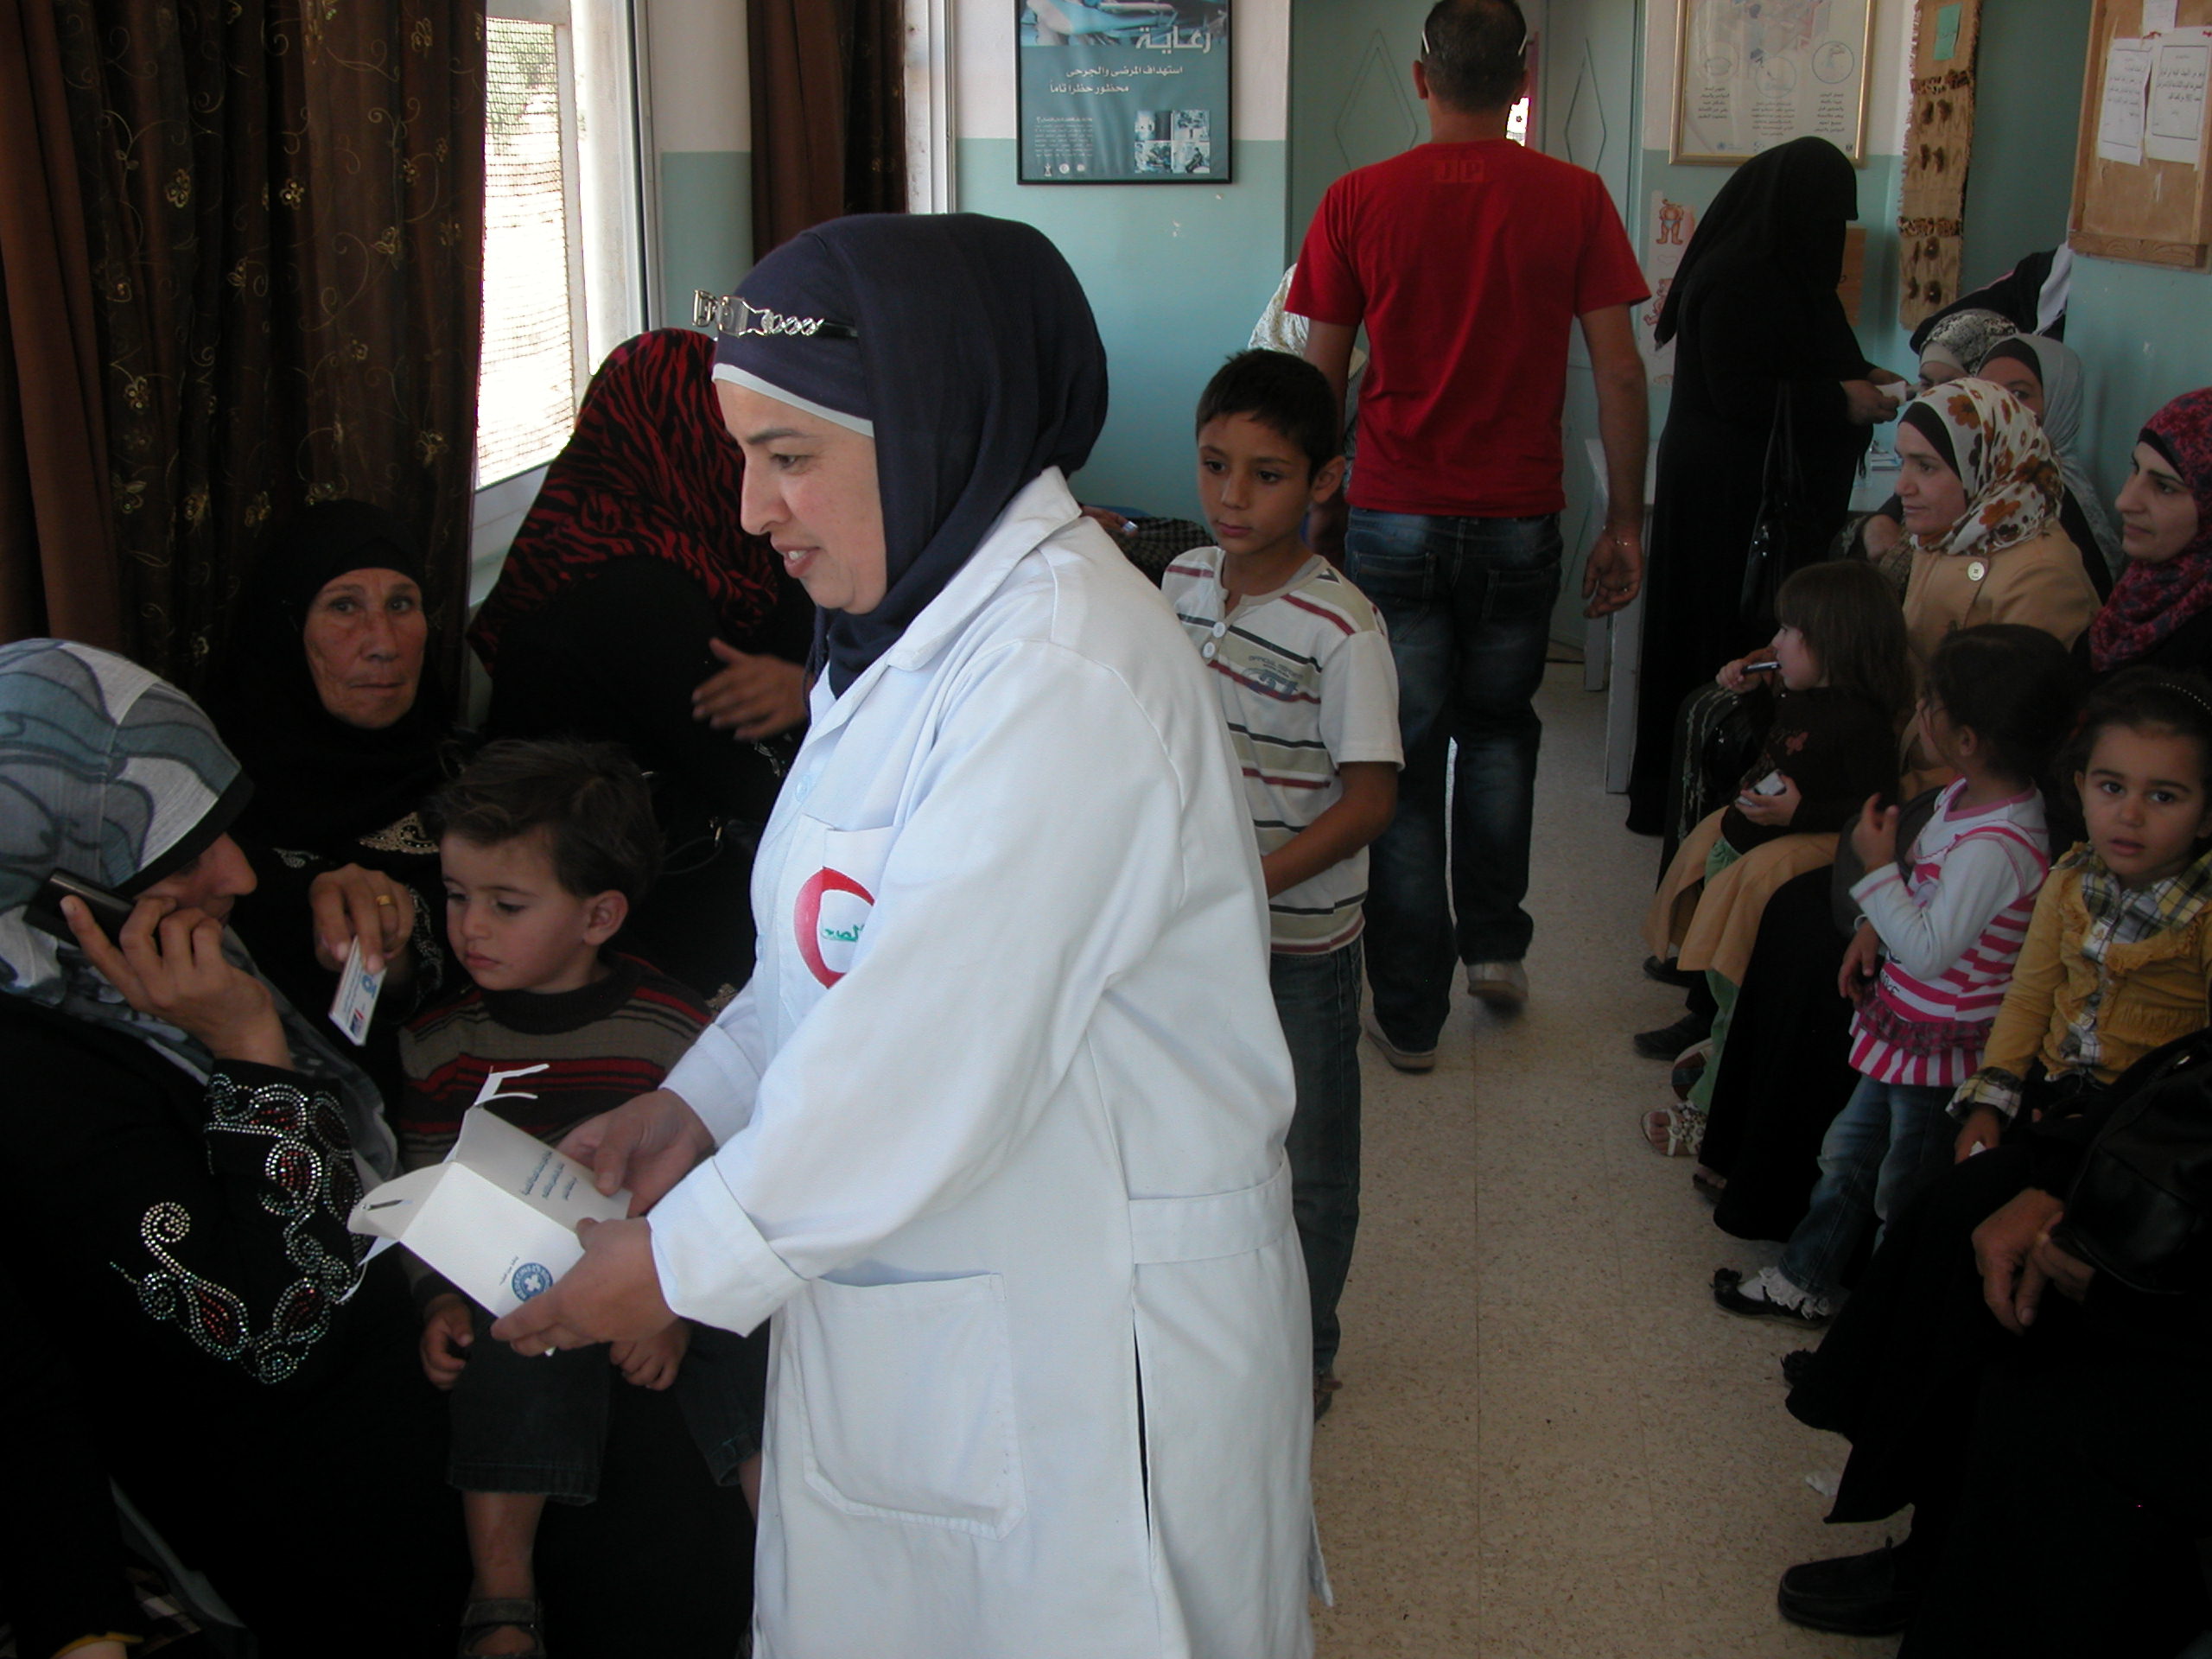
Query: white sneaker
1500 985
1406 1059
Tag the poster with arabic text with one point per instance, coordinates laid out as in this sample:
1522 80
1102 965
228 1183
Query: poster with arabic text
1123 91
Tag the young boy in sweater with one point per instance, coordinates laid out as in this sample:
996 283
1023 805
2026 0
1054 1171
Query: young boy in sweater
1307 686
546 846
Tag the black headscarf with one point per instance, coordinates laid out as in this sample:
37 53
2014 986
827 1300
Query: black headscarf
318 781
1785 209
971 354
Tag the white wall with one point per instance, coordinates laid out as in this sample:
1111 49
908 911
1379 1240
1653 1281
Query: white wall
702 90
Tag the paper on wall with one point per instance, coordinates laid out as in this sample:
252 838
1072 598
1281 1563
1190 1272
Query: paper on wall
2158 16
498 1217
2120 108
2174 125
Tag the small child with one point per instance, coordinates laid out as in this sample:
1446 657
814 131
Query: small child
2119 950
1998 701
546 846
1841 656
1307 683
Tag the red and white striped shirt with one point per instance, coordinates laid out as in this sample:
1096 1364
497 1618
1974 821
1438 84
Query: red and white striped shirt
1950 935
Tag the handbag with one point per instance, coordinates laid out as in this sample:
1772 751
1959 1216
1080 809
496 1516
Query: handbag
2140 1207
1778 543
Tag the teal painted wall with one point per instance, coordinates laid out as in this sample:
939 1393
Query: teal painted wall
1177 276
2145 334
706 226
2022 180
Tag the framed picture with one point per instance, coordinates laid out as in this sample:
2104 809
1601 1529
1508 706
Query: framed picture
1748 77
1123 92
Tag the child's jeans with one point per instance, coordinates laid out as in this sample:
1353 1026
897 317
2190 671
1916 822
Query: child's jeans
1316 999
1890 1140
539 1424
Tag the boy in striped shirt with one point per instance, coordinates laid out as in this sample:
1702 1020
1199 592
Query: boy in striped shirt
1303 669
1945 936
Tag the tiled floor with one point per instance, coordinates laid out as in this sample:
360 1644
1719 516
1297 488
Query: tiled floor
1549 1443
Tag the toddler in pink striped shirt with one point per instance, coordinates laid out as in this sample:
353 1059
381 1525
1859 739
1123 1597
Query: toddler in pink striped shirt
1933 952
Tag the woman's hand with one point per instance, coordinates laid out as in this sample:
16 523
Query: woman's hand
169 963
612 1296
1878 533
1772 811
1862 960
648 1143
1874 838
1732 676
1983 1129
356 903
448 1333
2068 1274
2004 1248
754 696
1865 404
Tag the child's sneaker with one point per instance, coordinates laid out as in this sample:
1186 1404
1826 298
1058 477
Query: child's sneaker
1768 1295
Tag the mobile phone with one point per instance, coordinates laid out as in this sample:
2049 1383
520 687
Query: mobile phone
110 910
1762 668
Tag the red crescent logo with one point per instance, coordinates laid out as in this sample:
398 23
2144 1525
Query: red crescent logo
807 918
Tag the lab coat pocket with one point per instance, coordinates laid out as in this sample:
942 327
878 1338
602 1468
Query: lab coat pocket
908 1391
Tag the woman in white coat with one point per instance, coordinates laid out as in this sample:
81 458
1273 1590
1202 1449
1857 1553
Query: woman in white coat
997 1128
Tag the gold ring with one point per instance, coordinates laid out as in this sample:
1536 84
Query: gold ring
383 899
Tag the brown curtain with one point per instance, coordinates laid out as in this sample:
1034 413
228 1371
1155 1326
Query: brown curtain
57 553
283 217
829 113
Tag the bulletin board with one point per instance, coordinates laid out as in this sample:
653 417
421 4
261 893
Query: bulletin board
1938 149
2140 165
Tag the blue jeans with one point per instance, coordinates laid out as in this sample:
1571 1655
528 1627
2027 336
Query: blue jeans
1889 1141
1468 602
1316 999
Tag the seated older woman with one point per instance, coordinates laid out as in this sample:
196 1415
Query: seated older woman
185 1148
328 693
2047 376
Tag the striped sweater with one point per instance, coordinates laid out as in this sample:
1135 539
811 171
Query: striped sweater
543 1062
1950 934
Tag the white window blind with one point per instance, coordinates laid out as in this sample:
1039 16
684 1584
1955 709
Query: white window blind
526 402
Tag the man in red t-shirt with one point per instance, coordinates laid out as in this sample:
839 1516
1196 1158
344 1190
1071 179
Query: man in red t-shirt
1468 258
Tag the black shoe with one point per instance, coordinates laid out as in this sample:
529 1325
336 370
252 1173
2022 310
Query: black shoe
1729 1296
1797 1365
1667 974
1851 1595
1324 1393
1670 1040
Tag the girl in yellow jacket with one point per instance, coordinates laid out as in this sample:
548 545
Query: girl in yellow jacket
2119 950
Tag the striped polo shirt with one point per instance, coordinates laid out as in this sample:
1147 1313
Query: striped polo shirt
1307 684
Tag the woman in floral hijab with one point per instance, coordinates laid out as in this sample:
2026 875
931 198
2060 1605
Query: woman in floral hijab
1980 484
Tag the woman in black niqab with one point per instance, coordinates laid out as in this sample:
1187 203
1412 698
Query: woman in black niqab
1754 316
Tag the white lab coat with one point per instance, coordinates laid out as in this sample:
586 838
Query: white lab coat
1000 1119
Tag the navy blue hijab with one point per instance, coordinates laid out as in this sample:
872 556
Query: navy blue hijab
965 343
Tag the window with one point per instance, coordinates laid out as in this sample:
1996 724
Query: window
565 277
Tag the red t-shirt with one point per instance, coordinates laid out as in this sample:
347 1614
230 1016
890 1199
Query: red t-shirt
1468 263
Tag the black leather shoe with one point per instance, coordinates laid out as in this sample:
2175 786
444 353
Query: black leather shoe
1667 974
1851 1595
1796 1366
1670 1040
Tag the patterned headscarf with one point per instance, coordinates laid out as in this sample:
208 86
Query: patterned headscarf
2064 399
117 778
1963 338
649 473
2002 457
2150 601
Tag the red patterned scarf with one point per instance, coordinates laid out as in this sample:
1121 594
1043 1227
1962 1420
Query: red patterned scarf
649 473
2150 601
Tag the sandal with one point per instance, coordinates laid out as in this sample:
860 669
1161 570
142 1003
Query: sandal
479 1619
1676 1131
1710 1183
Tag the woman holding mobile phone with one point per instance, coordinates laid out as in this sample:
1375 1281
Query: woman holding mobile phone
186 1148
